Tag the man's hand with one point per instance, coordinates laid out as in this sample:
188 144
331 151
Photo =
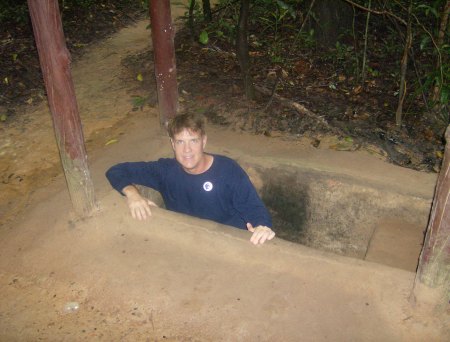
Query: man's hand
260 234
139 206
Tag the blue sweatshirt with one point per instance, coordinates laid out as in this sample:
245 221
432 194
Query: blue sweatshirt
222 194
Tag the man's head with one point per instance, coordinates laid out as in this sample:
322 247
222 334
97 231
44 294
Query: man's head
193 123
188 139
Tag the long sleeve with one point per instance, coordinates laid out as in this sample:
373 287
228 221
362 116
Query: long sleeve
149 174
223 194
248 203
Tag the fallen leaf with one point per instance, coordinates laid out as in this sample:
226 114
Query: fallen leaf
357 89
139 77
271 75
302 66
112 141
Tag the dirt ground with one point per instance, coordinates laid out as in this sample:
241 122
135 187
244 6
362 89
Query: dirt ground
176 278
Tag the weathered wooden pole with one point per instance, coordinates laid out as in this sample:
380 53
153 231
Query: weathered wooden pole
432 283
55 64
163 34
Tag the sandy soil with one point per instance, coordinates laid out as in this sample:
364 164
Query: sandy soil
173 277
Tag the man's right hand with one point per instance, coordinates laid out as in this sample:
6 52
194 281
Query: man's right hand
139 206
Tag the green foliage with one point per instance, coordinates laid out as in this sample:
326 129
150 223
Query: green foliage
80 3
203 38
306 38
15 11
427 10
275 17
442 81
138 102
278 27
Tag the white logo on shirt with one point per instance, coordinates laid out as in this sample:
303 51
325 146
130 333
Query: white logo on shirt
207 186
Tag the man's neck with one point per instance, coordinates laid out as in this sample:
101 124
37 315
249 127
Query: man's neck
204 165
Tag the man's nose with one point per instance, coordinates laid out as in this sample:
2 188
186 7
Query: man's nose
187 146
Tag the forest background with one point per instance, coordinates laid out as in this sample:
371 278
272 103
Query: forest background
371 74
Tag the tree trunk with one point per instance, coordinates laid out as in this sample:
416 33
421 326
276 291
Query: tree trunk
163 34
191 19
242 49
442 57
55 64
366 39
333 18
207 14
403 67
432 281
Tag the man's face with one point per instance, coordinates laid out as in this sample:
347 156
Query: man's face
188 147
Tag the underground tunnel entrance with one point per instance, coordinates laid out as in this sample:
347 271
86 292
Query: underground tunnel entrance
340 214
343 215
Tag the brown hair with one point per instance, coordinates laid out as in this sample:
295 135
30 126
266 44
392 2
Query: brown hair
191 122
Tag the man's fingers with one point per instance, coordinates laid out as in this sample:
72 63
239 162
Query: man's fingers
250 228
271 235
256 237
138 213
141 210
133 214
259 237
261 234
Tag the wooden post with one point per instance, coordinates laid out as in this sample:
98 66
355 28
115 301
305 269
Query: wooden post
55 64
163 34
432 283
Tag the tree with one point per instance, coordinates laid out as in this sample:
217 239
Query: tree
332 18
55 64
164 55
242 48
207 10
442 57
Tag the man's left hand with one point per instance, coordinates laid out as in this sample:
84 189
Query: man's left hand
260 234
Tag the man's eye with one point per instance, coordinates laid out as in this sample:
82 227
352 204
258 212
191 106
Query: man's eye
195 141
179 142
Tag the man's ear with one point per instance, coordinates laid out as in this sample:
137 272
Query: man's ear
204 139
172 143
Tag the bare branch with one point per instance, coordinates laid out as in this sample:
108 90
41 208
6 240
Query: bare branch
384 12
431 37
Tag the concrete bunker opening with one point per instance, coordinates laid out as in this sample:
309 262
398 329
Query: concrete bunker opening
344 215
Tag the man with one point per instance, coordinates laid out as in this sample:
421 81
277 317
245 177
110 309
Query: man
195 183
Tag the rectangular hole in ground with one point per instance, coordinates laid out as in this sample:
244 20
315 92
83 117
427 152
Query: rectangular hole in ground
342 215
